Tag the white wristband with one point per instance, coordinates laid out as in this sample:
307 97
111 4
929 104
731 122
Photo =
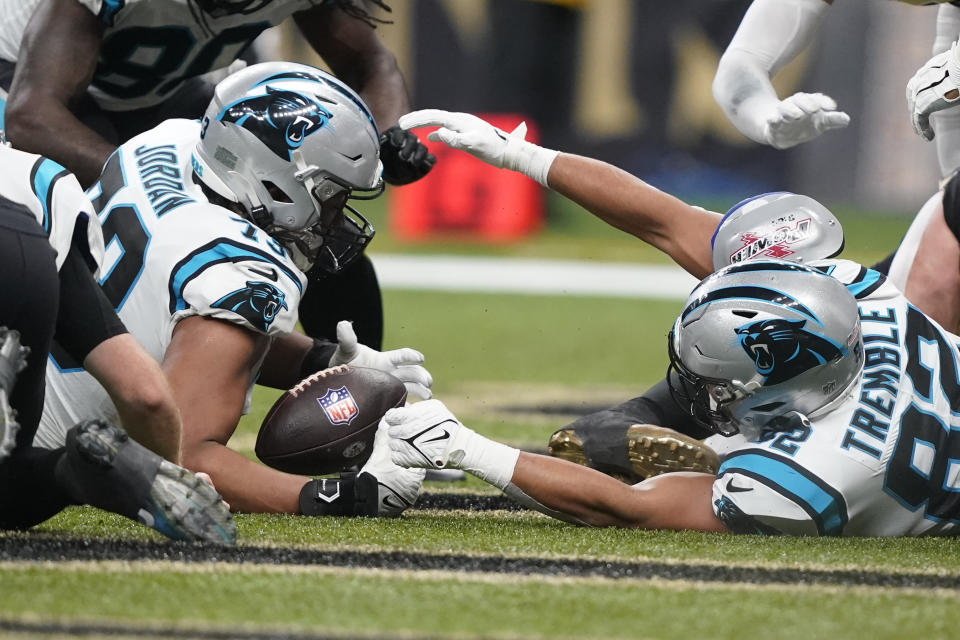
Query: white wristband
529 159
490 461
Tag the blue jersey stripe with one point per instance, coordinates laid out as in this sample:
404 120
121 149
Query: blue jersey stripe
217 252
866 282
109 9
824 504
43 176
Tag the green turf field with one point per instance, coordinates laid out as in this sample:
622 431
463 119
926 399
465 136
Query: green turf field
490 571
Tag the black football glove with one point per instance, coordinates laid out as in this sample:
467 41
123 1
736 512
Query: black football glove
405 159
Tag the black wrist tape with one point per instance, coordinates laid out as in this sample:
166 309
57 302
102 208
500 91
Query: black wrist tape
329 496
318 358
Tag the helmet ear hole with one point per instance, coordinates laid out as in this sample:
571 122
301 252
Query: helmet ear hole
278 194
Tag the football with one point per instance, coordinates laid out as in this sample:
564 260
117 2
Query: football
326 423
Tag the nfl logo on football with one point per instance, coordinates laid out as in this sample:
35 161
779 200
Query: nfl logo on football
339 405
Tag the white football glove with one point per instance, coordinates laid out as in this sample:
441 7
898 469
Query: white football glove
481 139
934 87
801 118
397 487
402 363
425 435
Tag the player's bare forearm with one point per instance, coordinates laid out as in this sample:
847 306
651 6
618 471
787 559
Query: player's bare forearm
284 361
210 364
246 485
140 393
57 58
624 201
671 501
356 55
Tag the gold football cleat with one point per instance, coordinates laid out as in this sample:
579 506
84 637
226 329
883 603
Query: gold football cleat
654 450
651 450
567 445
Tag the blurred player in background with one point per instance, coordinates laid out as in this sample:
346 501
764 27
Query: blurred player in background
773 33
621 440
49 242
838 424
86 75
217 220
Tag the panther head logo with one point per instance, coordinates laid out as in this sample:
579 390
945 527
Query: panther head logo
280 119
782 349
258 302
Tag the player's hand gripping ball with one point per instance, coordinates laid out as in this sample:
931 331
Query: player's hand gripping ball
327 422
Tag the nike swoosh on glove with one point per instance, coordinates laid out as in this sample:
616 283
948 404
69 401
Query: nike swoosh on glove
482 140
401 363
424 435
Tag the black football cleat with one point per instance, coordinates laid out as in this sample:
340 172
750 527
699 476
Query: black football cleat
13 358
105 468
639 452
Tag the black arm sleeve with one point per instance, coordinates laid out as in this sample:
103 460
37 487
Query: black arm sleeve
86 318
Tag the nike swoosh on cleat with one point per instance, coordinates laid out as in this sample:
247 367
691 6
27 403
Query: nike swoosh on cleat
270 275
732 488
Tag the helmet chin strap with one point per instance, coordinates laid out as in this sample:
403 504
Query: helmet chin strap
251 202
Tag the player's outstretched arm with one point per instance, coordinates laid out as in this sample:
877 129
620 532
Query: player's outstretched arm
210 365
622 200
428 435
771 34
57 58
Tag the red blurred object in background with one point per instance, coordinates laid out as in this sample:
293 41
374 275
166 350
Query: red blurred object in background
467 198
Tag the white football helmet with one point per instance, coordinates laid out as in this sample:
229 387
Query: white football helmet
779 225
290 144
760 339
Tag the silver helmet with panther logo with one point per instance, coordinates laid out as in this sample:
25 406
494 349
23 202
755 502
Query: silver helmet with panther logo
291 144
780 225
759 339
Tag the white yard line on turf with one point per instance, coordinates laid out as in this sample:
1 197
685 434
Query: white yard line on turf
532 276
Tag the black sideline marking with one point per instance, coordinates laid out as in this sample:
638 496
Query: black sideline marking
37 548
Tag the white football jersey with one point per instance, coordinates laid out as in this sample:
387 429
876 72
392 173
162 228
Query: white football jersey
171 254
151 46
883 460
54 197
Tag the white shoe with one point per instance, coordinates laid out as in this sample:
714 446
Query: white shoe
424 435
397 488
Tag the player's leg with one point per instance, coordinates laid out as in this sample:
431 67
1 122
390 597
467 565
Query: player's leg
29 295
103 467
637 439
13 358
352 294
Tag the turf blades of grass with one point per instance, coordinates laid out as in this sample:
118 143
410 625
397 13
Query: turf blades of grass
75 553
437 606
529 534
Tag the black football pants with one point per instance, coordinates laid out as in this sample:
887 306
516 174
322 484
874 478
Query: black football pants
29 299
